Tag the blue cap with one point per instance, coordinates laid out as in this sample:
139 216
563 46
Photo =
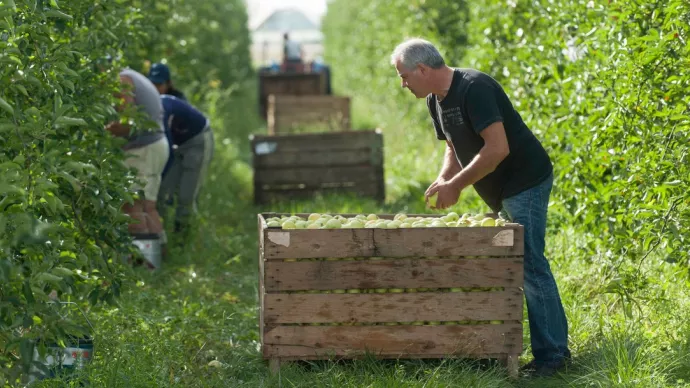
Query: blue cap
159 73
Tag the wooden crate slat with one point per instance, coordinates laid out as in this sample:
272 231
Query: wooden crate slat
318 158
417 242
308 142
311 176
379 356
287 111
459 340
393 273
393 307
289 84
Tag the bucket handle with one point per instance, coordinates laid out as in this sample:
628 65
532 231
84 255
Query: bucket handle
78 308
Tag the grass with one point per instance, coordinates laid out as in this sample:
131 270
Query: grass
195 323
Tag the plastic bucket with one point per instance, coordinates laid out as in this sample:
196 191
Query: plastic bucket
59 361
150 247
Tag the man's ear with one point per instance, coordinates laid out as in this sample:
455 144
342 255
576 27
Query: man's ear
423 69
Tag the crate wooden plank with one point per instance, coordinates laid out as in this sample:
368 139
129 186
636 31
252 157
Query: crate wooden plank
393 273
392 307
325 341
426 242
380 356
318 158
308 142
291 84
287 111
311 176
261 223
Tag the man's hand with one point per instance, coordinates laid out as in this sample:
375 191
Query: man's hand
438 181
448 193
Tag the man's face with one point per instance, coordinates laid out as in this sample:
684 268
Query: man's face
414 80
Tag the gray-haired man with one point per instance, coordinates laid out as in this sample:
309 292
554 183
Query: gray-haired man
489 147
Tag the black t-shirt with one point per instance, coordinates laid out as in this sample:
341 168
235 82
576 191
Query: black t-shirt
474 101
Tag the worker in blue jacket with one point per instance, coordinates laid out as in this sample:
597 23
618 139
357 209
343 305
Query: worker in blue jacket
191 140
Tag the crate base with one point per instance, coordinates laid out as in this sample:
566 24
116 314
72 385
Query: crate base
510 362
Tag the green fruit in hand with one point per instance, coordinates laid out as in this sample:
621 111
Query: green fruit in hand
433 199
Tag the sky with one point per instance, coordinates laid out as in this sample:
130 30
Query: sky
260 9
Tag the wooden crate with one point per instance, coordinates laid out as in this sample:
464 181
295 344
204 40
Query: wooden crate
290 84
300 165
464 278
286 112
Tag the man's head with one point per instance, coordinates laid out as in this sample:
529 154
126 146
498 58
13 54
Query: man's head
419 65
286 36
159 74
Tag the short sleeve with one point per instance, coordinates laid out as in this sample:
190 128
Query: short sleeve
481 106
431 105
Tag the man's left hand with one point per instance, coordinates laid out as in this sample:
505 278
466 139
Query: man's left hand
448 194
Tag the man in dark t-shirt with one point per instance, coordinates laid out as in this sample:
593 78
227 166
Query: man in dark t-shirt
489 146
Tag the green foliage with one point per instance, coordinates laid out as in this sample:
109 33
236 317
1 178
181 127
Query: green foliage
62 183
599 83
61 186
204 42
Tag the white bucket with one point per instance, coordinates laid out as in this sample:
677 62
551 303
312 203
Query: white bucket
150 247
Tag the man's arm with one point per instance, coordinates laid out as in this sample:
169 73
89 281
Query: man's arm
451 167
127 99
493 152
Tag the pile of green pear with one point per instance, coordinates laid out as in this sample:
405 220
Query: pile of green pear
327 221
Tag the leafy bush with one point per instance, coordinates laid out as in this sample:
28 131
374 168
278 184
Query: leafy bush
61 181
600 83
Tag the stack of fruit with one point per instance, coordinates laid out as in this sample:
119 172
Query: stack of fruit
327 221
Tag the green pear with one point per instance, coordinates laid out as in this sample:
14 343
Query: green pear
274 224
333 224
289 225
488 221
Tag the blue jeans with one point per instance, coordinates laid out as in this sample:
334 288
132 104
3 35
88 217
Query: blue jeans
547 322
